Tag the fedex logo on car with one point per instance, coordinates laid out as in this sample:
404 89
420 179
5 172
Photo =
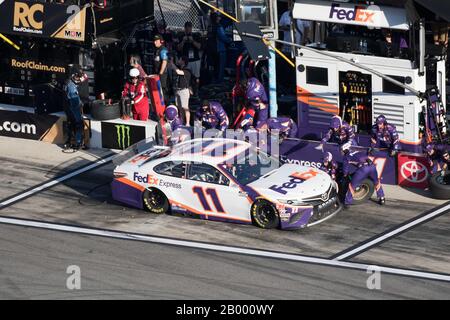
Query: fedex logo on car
296 179
358 14
148 179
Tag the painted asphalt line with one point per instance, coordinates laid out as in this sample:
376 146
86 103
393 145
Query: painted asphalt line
46 185
387 235
222 248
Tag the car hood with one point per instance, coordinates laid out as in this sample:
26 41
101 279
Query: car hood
293 182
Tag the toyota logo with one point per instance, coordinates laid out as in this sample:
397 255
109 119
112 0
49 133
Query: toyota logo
413 171
324 197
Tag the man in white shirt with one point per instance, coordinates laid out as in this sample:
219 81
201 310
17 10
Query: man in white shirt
301 29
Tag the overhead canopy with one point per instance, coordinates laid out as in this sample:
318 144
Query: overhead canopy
439 7
373 16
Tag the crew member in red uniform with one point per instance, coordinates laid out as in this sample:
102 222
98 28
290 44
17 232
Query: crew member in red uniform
135 91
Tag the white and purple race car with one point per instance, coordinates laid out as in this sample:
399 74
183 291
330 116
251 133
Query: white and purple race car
225 180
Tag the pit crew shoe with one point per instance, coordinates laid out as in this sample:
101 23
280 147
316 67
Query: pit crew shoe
382 201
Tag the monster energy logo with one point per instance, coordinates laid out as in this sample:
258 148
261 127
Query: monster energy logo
123 136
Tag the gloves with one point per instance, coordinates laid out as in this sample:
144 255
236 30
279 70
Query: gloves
393 153
443 173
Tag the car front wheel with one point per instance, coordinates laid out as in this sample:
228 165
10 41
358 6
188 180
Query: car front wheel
265 214
155 201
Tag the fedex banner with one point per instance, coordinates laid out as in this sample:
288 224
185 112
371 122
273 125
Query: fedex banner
48 20
371 16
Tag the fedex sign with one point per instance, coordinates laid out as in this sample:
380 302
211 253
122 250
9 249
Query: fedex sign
358 14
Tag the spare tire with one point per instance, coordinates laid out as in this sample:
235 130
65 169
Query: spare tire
101 111
439 187
363 192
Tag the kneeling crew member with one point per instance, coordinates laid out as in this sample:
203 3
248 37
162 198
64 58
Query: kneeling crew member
135 90
385 135
365 169
212 116
286 127
329 165
171 115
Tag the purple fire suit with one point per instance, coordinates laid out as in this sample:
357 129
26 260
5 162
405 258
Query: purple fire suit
215 118
341 136
386 138
286 126
365 169
256 97
331 168
175 123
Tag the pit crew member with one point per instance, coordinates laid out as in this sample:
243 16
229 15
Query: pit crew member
256 102
436 156
385 135
329 165
73 111
365 169
136 92
340 132
286 127
212 116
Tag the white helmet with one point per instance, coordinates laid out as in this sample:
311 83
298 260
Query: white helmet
134 73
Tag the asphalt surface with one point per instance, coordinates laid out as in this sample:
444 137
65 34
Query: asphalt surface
33 262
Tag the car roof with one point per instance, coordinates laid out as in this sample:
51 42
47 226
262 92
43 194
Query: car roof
212 151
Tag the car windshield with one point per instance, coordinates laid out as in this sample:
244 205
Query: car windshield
250 167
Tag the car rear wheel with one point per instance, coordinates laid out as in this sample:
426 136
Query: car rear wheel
155 201
440 186
265 214
363 192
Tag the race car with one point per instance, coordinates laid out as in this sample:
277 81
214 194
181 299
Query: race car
225 180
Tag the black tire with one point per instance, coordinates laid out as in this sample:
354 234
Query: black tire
364 192
100 111
155 201
438 188
265 215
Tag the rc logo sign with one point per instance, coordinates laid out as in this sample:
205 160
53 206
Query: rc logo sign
414 171
27 19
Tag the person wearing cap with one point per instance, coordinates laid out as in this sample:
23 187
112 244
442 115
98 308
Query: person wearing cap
366 169
136 92
329 165
160 63
212 116
436 156
286 127
189 46
257 103
340 132
385 135
73 111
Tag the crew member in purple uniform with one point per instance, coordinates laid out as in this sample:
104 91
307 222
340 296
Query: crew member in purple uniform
385 135
171 115
365 169
256 101
329 165
286 127
212 116
437 157
340 132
